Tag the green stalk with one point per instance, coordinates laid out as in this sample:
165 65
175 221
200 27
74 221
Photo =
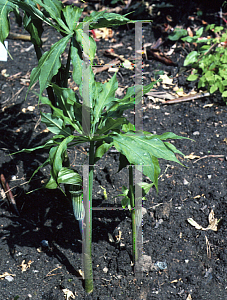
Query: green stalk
66 75
88 272
133 215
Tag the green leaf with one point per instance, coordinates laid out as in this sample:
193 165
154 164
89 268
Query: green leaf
51 184
5 8
54 124
126 202
199 32
213 88
87 43
109 124
177 34
93 18
118 106
34 27
33 11
54 8
141 150
72 15
66 99
128 127
77 202
107 20
191 58
60 156
164 136
192 77
104 97
224 94
101 150
145 186
48 65
69 176
77 61
59 113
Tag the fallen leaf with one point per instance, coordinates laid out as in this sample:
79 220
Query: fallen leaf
192 156
6 274
127 65
68 294
166 79
208 105
213 223
190 33
3 73
81 273
198 196
25 266
189 297
103 33
194 223
31 108
225 140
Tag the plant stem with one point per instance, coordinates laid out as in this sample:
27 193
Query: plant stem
66 75
88 272
132 203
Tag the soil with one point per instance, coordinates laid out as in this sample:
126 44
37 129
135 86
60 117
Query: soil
41 249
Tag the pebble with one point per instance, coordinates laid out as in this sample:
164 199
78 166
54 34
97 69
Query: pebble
9 278
161 265
44 243
196 133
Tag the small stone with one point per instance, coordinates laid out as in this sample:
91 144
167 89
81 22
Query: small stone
209 176
161 265
9 278
44 243
196 133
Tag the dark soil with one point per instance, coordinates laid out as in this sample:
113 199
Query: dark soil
46 236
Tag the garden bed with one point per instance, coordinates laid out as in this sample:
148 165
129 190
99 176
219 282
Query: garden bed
41 249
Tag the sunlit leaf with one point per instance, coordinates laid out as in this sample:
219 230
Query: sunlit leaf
49 64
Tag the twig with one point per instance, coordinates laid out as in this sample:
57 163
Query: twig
186 98
23 37
9 194
206 156
49 273
107 66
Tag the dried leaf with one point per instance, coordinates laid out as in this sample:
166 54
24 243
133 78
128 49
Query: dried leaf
192 156
127 65
190 33
103 33
81 273
208 105
68 294
25 266
189 297
225 140
213 222
194 224
6 274
166 79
